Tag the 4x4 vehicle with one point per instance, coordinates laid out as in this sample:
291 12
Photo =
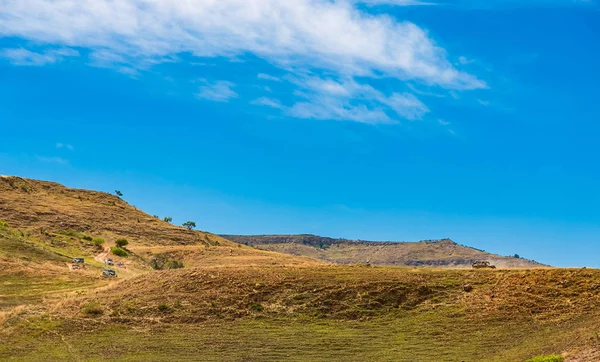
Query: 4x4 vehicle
483 264
109 261
109 273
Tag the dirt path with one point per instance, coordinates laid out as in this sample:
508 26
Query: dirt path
103 255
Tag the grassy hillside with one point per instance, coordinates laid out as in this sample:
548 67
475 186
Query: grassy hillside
46 206
238 303
432 253
32 273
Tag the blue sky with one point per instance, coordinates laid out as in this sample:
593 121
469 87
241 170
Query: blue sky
375 119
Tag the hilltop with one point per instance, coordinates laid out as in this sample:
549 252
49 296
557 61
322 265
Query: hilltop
65 222
48 206
431 253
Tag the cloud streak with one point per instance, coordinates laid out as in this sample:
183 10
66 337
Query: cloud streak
220 91
24 57
65 145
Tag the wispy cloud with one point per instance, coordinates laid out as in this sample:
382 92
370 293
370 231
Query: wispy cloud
347 95
220 91
394 2
21 56
304 38
347 99
335 109
446 125
268 77
55 160
65 145
464 60
268 102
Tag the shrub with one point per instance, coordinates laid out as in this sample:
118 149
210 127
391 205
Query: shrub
73 234
98 242
168 219
119 252
174 264
122 242
163 307
550 358
3 224
93 309
257 307
87 238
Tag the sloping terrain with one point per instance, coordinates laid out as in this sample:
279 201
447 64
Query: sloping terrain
432 253
47 206
64 220
235 302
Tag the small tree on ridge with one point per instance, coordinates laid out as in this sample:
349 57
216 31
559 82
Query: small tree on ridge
189 225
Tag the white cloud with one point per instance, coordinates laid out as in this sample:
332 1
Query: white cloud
330 99
65 145
446 125
344 96
333 35
483 103
21 56
336 110
301 37
268 102
268 77
220 91
464 60
55 160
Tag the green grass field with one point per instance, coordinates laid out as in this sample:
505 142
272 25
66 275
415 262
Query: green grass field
412 337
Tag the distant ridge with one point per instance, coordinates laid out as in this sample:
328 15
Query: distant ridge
425 253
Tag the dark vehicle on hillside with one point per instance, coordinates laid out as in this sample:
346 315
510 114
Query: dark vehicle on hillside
109 273
482 265
109 261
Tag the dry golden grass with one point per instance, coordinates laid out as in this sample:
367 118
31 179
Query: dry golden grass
39 205
237 303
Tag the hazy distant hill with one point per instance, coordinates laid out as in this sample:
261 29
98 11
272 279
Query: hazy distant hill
433 253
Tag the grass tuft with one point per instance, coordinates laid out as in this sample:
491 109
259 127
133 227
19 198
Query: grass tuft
93 309
257 307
